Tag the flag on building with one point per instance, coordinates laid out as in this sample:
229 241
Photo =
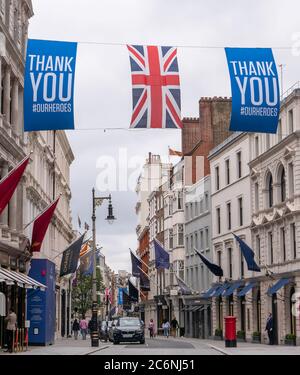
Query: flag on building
175 153
85 248
162 257
155 87
133 292
70 257
87 263
184 288
9 183
214 268
126 301
144 281
136 265
79 222
86 227
40 226
248 254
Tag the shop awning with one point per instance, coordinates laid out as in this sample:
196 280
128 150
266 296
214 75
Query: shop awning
280 283
209 293
21 279
232 288
246 289
221 289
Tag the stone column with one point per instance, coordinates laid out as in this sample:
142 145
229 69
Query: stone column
205 325
1 109
15 106
6 93
13 211
4 216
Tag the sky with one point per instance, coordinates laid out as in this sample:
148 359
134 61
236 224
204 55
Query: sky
103 85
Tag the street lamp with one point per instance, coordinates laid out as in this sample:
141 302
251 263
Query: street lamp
97 201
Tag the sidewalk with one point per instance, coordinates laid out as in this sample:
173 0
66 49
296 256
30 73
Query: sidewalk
63 347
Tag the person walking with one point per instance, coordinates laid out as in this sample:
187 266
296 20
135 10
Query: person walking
83 327
174 326
75 328
270 328
151 328
166 328
11 326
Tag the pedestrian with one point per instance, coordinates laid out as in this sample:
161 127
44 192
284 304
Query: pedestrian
11 327
76 328
83 327
270 328
174 326
166 328
151 328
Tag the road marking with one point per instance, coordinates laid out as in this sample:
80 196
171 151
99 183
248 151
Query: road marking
219 350
98 350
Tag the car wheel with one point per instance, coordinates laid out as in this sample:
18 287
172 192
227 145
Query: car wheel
142 342
116 342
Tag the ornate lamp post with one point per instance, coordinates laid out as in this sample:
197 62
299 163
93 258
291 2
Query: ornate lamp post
97 201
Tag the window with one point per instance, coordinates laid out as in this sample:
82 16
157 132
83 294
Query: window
201 206
256 198
293 240
282 240
196 241
291 179
180 235
267 141
187 242
242 265
196 208
206 201
170 206
227 169
170 239
201 240
256 145
239 164
219 258
271 250
180 203
206 237
258 248
192 244
218 213
291 121
228 216
282 185
240 205
270 190
230 262
217 177
279 131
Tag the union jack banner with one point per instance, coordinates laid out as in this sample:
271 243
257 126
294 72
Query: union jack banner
155 87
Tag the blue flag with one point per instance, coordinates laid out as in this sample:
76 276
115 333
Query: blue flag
162 257
136 265
248 254
214 268
133 292
255 90
144 282
49 85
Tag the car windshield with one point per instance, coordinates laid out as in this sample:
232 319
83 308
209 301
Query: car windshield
109 324
129 322
104 324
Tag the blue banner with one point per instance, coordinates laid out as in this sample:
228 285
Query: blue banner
255 90
49 85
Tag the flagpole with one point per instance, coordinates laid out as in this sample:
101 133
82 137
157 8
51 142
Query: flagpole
39 215
139 259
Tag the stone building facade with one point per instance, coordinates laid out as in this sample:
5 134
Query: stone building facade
14 20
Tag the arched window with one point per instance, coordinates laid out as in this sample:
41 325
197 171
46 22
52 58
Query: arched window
282 185
269 186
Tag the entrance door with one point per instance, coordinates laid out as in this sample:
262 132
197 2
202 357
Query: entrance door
275 318
63 313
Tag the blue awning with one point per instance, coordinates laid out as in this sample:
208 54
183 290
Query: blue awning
246 289
221 290
280 283
232 288
209 293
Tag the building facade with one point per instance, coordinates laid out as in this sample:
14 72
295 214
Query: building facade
14 255
197 311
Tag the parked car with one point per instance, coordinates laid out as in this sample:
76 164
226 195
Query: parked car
103 330
129 329
111 329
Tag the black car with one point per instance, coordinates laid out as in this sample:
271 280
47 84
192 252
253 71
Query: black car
103 331
129 330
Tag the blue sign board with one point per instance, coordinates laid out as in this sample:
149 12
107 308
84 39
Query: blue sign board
255 90
120 295
41 304
49 85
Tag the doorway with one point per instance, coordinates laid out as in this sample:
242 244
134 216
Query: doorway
275 318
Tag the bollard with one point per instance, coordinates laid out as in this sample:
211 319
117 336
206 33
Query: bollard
230 331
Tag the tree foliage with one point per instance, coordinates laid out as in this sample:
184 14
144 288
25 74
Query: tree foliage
82 297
